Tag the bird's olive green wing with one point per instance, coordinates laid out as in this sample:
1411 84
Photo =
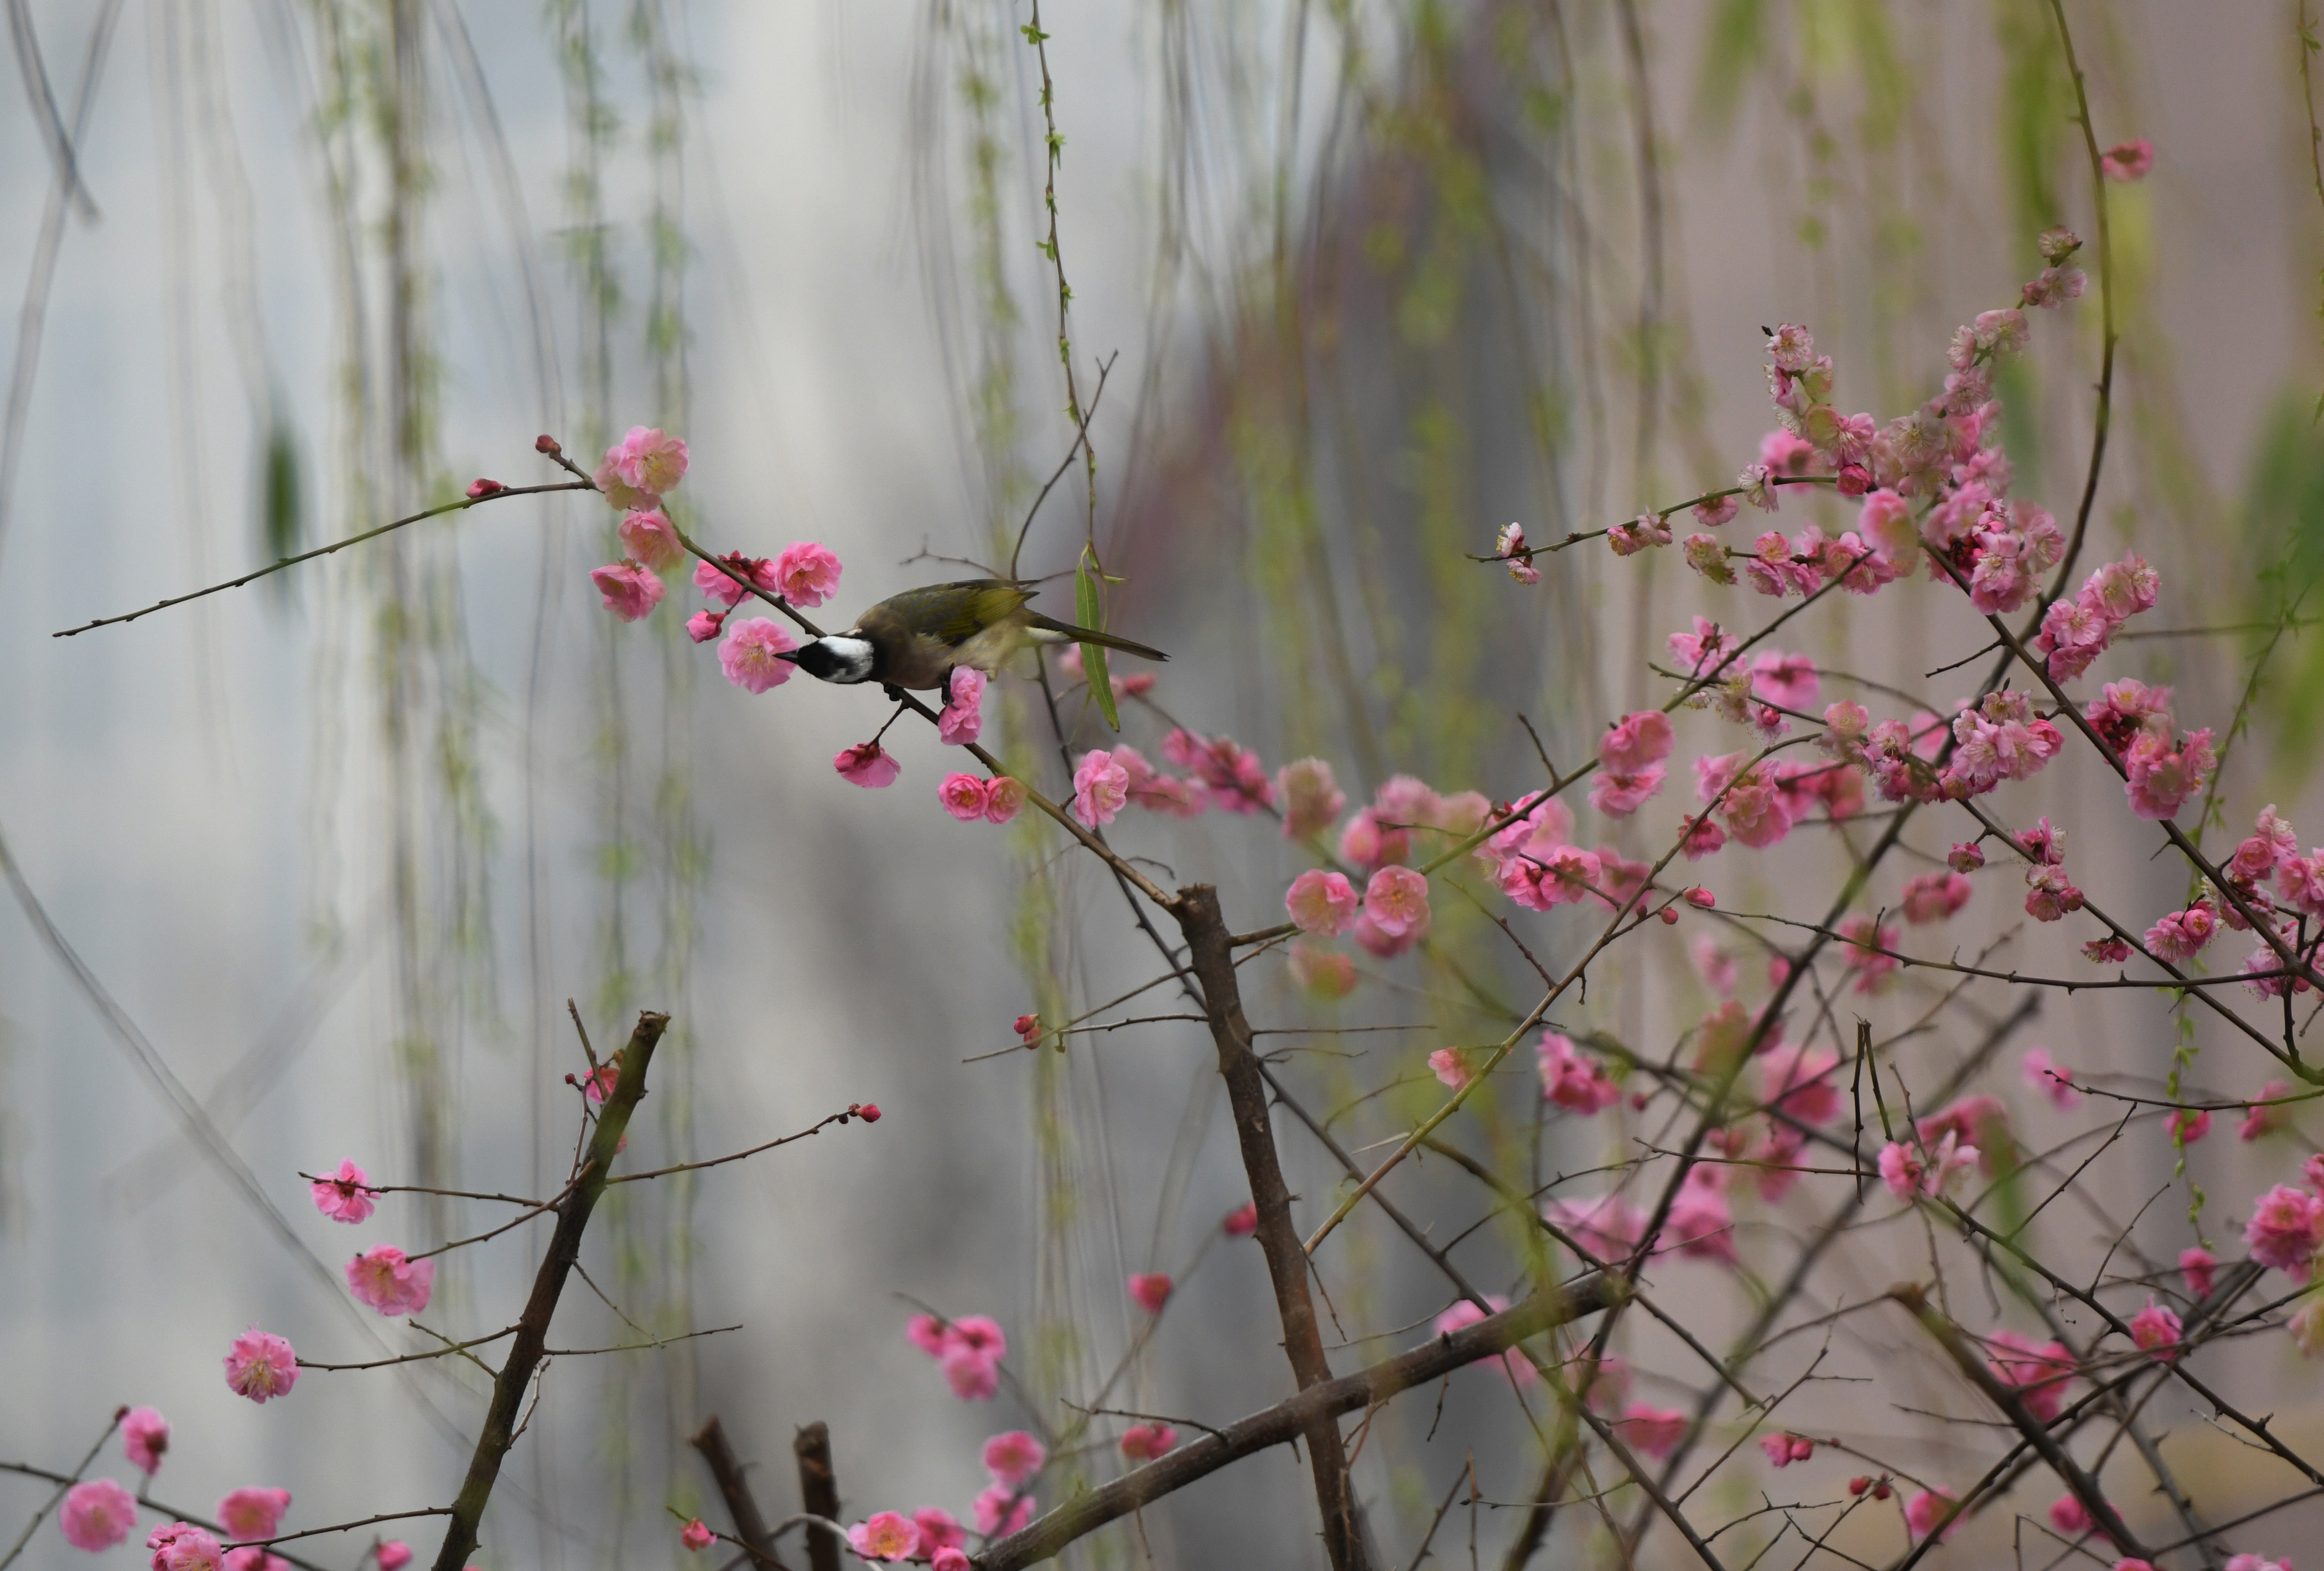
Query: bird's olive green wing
954 613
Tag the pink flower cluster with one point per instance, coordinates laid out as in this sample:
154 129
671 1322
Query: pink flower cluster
2038 1372
2285 1230
2001 739
1238 782
1783 1450
1572 1080
1919 1172
1630 763
2075 633
972 799
970 1349
1511 548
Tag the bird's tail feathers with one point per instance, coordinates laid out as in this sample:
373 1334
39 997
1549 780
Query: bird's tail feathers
1065 633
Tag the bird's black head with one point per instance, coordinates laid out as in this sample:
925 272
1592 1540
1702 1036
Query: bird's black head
835 658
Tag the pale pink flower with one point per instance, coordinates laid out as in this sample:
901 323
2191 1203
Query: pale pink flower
1934 896
2107 951
145 1438
1101 788
885 1536
1869 949
1656 1431
2287 1224
1788 680
806 573
2186 1126
1004 798
1620 796
648 540
963 719
251 1557
1701 1223
649 460
1511 547
1797 1078
2265 1115
1641 533
2048 1079
628 590
252 1513
1312 799
939 1530
383 1278
1322 902
97 1514
2199 1266
183 1547
1325 973
1635 742
2270 845
259 1365
1397 902
342 1196
1145 1442
703 625
2049 895
1572 1080
728 588
619 493
1717 511
2129 160
1924 1511
696 1535
868 765
2307 1326
963 796
1149 1290
1014 1457
751 654
1705 650
1451 1065
395 1555
975 1376
1000 1510
2038 1370
2156 1330
1910 1172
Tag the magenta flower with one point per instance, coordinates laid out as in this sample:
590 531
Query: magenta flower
1701 1224
1934 896
383 1278
885 1536
751 654
648 539
807 575
260 1366
395 1555
252 1513
963 719
1322 902
2255 1563
145 1437
1000 1510
1656 1431
1925 1510
183 1547
868 765
696 1535
2162 776
940 1531
2198 1266
2068 1515
1572 1080
649 460
1145 1442
1149 1290
629 591
1014 1457
1797 1078
2156 1330
2129 160
342 1196
963 796
1619 795
2038 1370
2286 1225
1101 788
952 1557
97 1514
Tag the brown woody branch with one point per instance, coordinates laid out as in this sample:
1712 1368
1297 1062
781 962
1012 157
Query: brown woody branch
532 1330
1317 1406
742 1506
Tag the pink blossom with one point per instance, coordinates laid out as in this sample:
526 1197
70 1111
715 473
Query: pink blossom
1145 1442
1656 1431
628 590
1322 902
2038 1370
2156 1330
1704 651
939 1530
1101 788
806 573
751 654
260 1364
2287 1224
952 1557
963 796
1713 511
2049 895
1241 1222
1004 798
1635 742
925 1332
696 1535
703 625
1511 547
2068 1516
1912 1171
885 1536
97 1514
978 1334
1608 1226
1230 771
1620 796
2048 1079
1312 799
2198 1266
2106 952
145 1438
383 1278
1325 973
1397 902
1451 1066
1934 896
1014 1457
2270 845
2307 1326
1784 1449
727 588
963 719
1465 1314
2265 1115
394 1555
2052 287
1701 1223
1641 533
649 460
2186 1126
973 1375
2161 777
1572 1080
2129 160
251 1557
1788 680
996 1516
342 1196
1380 944
183 1547
868 765
252 1513
1925 1510
1797 1078
648 540
2301 881
1149 1290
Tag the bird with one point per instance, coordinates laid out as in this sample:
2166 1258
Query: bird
918 638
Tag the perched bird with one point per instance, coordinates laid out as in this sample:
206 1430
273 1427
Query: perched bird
919 637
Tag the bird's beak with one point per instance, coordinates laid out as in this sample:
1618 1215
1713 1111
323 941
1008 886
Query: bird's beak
790 655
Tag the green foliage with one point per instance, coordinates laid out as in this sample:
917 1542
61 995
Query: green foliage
282 502
2036 108
2283 522
1737 38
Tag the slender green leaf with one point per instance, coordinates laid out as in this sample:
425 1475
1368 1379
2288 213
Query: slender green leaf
1089 609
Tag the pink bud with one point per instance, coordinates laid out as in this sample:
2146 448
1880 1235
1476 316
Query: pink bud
1701 900
1151 1290
869 1112
703 625
480 488
1669 917
1855 480
1242 1221
395 1555
1029 1028
696 1536
1859 1483
543 443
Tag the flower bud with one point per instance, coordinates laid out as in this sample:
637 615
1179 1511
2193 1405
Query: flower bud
869 1112
1859 1483
1855 480
546 443
480 488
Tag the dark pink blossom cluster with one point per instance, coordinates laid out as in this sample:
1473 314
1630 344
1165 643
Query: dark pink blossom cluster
970 1349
